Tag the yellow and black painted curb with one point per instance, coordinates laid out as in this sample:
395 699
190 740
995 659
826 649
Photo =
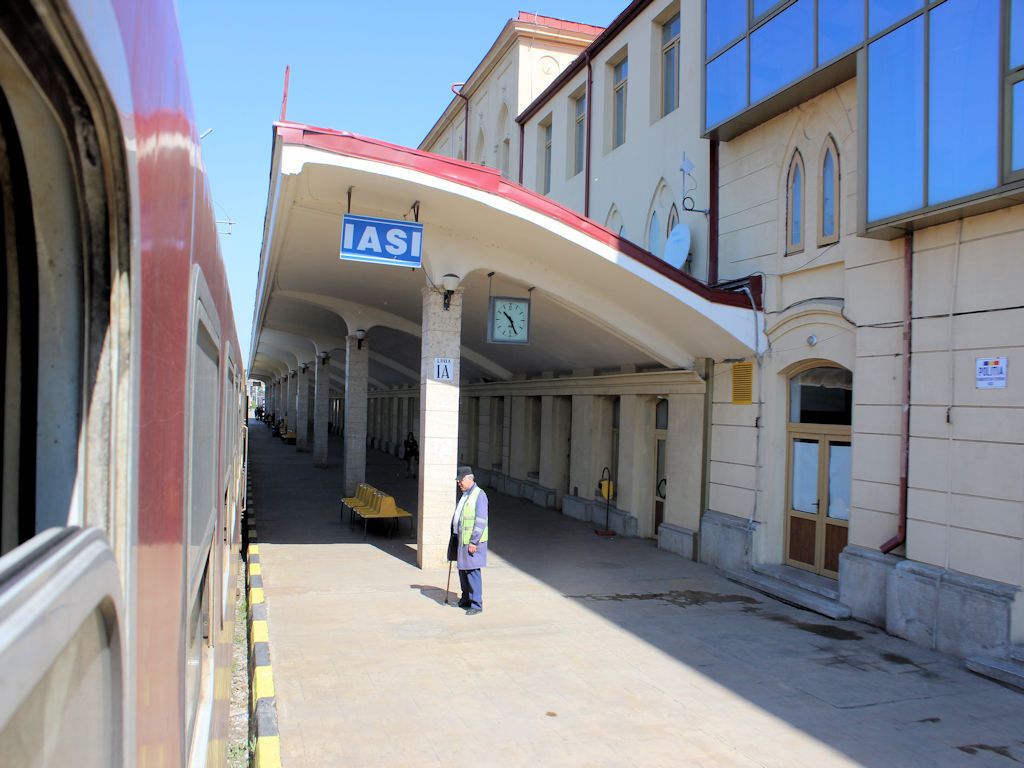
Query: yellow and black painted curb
263 729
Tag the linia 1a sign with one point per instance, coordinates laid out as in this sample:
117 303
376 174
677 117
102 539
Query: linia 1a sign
381 241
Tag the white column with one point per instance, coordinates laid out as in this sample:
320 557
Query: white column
289 402
439 426
321 409
302 408
517 438
357 369
483 460
684 456
554 445
636 461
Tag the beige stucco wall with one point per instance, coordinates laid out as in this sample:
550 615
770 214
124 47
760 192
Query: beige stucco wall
516 78
966 479
630 182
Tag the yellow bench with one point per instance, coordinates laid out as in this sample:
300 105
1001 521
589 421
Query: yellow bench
370 503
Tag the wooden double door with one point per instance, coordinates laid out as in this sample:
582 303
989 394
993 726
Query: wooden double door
818 496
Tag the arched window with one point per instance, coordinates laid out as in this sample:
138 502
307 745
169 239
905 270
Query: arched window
655 243
795 206
673 220
480 144
828 201
615 223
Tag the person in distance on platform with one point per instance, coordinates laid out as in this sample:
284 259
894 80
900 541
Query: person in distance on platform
468 545
412 453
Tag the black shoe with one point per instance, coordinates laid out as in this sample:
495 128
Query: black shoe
474 611
464 604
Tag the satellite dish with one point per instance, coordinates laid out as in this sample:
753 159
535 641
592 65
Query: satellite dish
677 249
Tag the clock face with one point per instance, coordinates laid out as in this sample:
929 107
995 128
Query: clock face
510 320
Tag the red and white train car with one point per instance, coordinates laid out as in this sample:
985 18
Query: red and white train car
123 398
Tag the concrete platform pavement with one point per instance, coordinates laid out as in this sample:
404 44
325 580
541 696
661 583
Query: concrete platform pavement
589 652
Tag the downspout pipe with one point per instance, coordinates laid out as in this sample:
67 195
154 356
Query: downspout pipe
713 214
465 123
522 138
908 307
590 108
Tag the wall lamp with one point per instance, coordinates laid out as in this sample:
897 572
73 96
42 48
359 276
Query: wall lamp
360 335
450 282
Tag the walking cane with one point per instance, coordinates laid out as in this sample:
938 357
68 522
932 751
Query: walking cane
447 589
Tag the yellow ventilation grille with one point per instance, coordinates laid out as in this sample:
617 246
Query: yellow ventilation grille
742 383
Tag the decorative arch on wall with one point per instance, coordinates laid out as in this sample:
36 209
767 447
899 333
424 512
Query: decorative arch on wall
614 222
828 193
478 155
795 192
661 208
504 132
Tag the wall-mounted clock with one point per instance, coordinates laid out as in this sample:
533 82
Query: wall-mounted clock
509 320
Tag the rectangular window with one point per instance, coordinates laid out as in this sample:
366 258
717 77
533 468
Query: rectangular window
1016 34
670 65
761 7
580 134
1017 140
547 158
963 99
726 20
840 27
885 13
620 77
782 50
726 84
896 122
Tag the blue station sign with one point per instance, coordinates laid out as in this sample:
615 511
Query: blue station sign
381 241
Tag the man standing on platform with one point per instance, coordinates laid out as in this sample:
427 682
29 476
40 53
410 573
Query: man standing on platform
468 545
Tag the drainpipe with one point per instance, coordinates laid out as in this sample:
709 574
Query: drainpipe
590 108
713 215
465 123
908 305
522 136
705 465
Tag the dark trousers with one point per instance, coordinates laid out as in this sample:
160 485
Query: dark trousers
472 588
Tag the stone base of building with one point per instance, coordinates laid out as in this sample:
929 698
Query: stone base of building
678 540
594 511
519 489
949 611
726 541
863 575
576 508
953 612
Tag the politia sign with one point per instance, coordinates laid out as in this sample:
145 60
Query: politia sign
381 241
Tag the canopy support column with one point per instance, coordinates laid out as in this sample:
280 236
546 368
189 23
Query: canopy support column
321 408
302 409
439 424
357 370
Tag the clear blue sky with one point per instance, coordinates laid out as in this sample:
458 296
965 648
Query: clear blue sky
382 69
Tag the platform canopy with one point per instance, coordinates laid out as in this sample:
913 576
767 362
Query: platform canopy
598 301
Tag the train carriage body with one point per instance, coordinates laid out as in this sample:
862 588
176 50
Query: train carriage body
123 398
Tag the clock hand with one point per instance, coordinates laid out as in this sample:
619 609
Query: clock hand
511 322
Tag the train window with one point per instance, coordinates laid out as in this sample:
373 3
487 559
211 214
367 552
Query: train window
200 523
65 302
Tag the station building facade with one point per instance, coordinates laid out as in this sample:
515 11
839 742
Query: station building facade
855 173
864 182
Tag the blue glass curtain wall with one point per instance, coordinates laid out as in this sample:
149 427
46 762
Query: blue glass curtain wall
896 121
963 99
943 120
774 60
